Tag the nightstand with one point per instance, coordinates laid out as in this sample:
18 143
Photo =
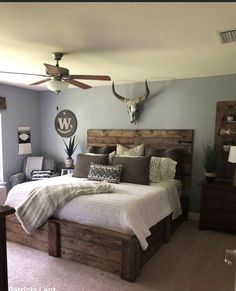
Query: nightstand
218 205
65 171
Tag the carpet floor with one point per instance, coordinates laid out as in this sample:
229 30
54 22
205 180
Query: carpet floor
193 260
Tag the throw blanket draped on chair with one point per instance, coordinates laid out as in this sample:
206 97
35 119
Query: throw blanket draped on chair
42 202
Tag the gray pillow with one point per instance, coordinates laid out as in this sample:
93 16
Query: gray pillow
135 169
83 162
105 173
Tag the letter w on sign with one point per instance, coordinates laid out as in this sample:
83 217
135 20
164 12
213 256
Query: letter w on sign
65 123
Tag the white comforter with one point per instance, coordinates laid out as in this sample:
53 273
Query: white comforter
131 208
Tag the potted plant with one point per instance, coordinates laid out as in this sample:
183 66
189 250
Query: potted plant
210 161
70 149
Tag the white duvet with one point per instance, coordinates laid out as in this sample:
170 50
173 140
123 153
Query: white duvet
131 208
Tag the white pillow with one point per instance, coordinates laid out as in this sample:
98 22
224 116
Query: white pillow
167 169
154 170
124 151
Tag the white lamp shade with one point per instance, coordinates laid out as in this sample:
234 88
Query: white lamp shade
57 86
232 154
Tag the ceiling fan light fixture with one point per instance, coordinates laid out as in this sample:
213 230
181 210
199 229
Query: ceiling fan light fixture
57 85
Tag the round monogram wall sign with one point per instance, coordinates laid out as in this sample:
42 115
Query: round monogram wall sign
65 123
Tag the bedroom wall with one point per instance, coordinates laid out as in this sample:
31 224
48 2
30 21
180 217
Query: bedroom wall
22 110
177 104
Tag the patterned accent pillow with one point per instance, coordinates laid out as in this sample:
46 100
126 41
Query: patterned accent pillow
154 170
167 168
105 173
40 174
124 151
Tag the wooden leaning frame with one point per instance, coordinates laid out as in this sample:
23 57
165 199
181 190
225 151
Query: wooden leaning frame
109 250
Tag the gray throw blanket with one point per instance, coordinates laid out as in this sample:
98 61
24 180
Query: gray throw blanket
42 202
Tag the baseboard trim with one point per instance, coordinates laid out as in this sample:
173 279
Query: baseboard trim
194 216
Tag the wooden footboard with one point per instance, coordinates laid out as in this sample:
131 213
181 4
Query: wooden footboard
107 250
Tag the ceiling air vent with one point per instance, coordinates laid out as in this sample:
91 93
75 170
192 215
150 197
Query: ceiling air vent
227 36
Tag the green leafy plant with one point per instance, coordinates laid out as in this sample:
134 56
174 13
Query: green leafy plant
70 147
210 160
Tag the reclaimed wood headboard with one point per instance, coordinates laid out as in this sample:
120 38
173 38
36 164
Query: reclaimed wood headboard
181 139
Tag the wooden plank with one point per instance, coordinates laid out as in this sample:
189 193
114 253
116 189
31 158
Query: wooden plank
3 104
73 226
130 265
40 234
54 241
93 261
27 241
89 235
90 248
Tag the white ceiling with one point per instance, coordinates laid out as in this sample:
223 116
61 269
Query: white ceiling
128 41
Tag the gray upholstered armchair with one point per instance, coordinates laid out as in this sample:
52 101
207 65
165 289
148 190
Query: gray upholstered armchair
25 175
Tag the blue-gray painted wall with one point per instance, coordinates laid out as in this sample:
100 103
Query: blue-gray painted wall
22 110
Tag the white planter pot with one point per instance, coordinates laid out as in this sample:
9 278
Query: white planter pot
210 176
69 163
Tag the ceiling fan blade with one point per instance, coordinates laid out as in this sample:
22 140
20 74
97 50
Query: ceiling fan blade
17 73
91 77
40 82
77 84
54 70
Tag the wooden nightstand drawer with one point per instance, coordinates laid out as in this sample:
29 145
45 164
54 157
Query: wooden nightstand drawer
229 196
222 205
220 220
218 206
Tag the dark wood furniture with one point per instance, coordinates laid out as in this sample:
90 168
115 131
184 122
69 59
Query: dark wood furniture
109 250
4 211
218 205
225 132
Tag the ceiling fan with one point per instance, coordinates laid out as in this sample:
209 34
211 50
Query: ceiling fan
58 78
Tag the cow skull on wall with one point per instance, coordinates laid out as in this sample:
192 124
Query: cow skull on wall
132 104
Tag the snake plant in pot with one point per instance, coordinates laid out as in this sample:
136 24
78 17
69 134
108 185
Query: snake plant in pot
70 149
210 161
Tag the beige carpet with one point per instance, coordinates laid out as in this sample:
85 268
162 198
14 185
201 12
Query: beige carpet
192 261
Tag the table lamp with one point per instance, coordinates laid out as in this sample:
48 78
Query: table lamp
232 159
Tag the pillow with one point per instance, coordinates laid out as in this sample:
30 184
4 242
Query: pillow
111 157
124 151
167 169
83 162
101 150
105 173
154 170
173 153
135 169
40 174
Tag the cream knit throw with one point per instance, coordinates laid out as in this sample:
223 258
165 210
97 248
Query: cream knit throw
42 202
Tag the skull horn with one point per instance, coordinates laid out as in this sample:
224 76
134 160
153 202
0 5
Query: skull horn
141 99
121 98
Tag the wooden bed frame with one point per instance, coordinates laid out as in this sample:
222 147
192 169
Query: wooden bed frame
105 249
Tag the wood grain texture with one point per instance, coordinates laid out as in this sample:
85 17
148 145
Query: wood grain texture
3 104
181 139
108 250
225 131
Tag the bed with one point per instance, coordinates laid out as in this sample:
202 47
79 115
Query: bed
122 248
